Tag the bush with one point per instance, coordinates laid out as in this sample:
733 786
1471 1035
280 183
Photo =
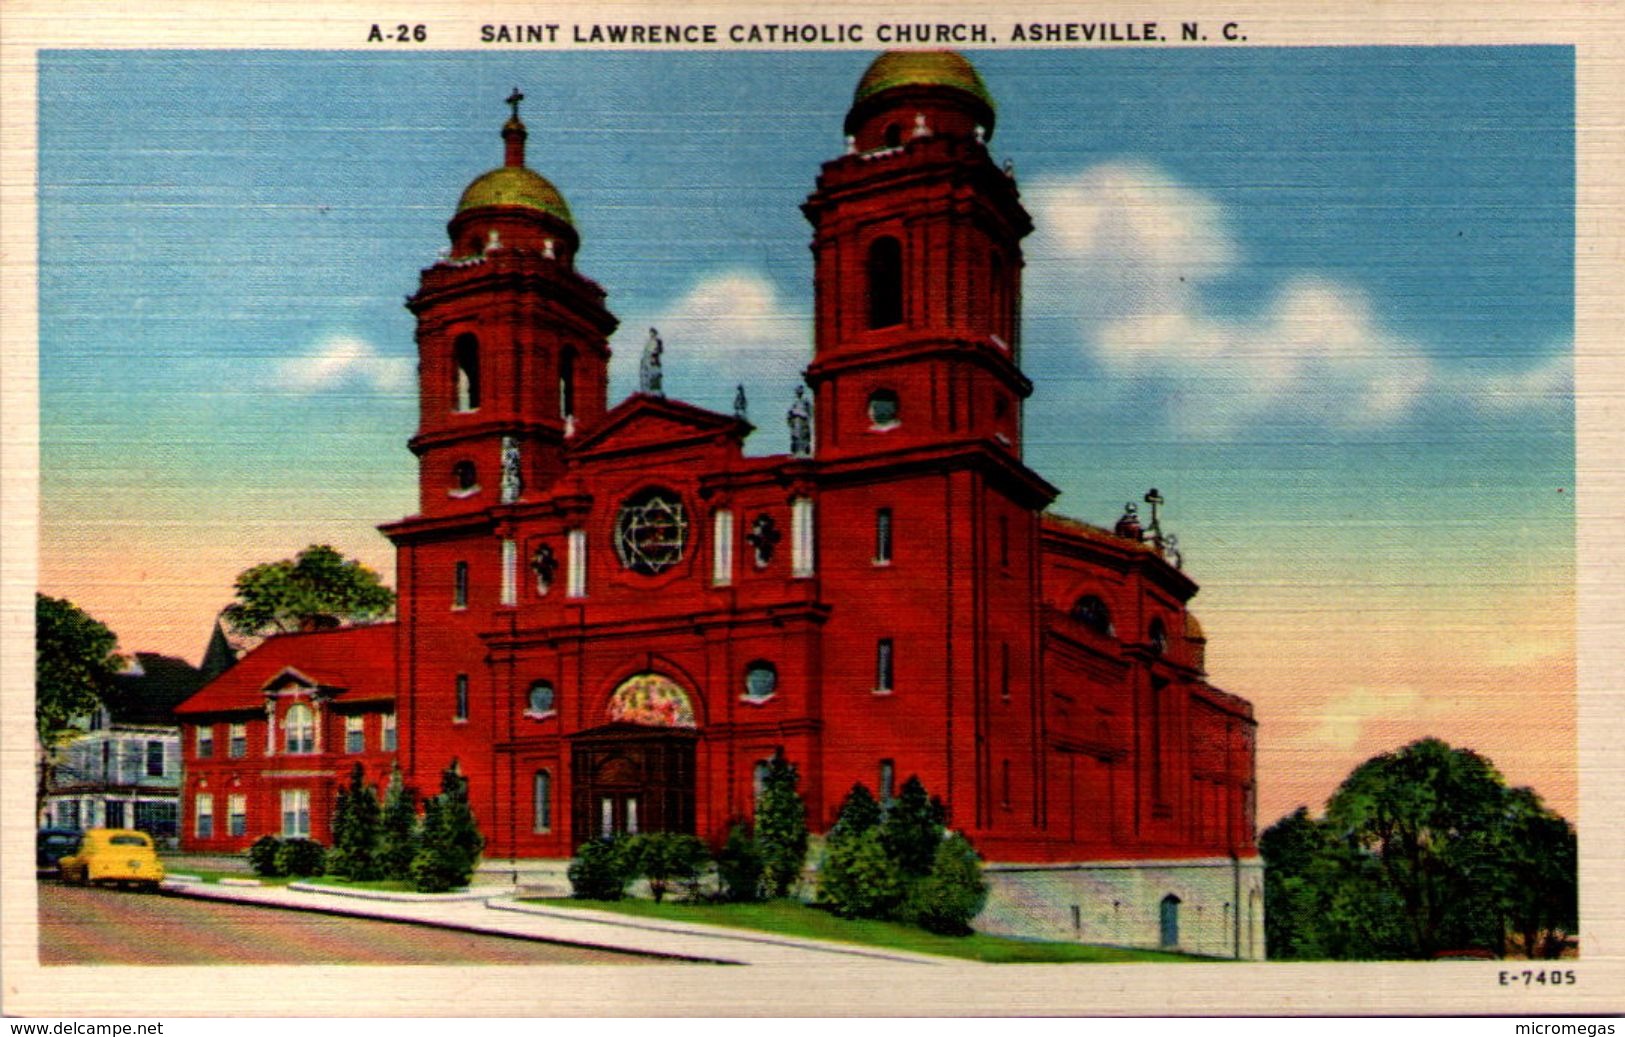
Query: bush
355 831
450 844
665 857
263 854
739 866
398 828
913 829
858 879
953 893
781 827
301 858
601 869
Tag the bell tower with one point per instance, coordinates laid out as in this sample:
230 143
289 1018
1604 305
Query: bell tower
917 251
513 352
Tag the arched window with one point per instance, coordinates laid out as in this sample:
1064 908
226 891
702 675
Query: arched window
567 383
1170 921
299 728
466 357
465 477
885 410
540 698
542 799
885 283
894 135
1092 613
761 680
1159 637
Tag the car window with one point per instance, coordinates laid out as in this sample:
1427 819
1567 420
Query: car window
127 840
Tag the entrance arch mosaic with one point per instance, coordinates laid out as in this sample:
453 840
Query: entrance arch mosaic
653 701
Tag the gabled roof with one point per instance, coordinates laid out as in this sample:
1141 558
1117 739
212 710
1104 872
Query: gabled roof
642 421
151 689
355 664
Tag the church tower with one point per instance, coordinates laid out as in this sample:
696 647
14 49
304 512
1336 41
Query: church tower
917 245
513 351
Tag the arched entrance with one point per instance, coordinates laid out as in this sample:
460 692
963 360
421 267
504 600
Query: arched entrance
636 773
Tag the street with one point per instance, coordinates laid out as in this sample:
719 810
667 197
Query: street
87 926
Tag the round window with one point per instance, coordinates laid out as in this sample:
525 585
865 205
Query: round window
761 679
883 408
651 531
541 698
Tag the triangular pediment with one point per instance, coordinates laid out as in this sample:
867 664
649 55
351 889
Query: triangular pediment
643 421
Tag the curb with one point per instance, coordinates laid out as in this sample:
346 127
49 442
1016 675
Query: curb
401 897
721 932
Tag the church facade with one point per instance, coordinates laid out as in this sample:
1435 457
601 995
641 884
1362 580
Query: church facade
610 618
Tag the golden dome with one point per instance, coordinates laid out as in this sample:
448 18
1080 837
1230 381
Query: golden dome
921 68
1193 629
515 185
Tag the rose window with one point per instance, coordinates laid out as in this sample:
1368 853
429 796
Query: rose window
651 532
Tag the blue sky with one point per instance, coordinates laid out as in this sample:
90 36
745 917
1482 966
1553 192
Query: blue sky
1321 298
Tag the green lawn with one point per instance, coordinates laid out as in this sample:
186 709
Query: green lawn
386 885
791 918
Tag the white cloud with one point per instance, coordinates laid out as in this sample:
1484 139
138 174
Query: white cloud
345 361
1344 719
729 328
1125 250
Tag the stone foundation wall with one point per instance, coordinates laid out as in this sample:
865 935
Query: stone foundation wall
1120 904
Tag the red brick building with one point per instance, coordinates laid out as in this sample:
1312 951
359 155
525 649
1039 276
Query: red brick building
610 617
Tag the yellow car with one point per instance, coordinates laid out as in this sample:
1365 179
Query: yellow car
113 855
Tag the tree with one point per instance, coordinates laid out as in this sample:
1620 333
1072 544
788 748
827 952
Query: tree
317 589
74 669
397 828
1422 849
913 828
781 827
450 844
356 819
859 812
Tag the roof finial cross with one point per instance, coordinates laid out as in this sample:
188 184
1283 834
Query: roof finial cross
513 100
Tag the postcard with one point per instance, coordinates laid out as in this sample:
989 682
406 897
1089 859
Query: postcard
1047 512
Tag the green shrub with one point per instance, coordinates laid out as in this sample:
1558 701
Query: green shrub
263 854
953 893
781 827
301 858
666 857
913 829
398 828
355 831
739 866
601 869
858 879
450 842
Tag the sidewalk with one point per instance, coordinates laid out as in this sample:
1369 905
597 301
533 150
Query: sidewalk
502 915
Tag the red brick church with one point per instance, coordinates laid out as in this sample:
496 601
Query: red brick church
611 617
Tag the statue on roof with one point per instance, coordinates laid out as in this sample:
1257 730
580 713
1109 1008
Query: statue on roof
800 421
649 374
1129 525
740 406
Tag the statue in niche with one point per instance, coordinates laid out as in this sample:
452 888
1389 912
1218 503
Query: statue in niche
513 483
763 537
649 374
800 421
545 567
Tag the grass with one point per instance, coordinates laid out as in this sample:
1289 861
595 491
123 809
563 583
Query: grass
792 918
